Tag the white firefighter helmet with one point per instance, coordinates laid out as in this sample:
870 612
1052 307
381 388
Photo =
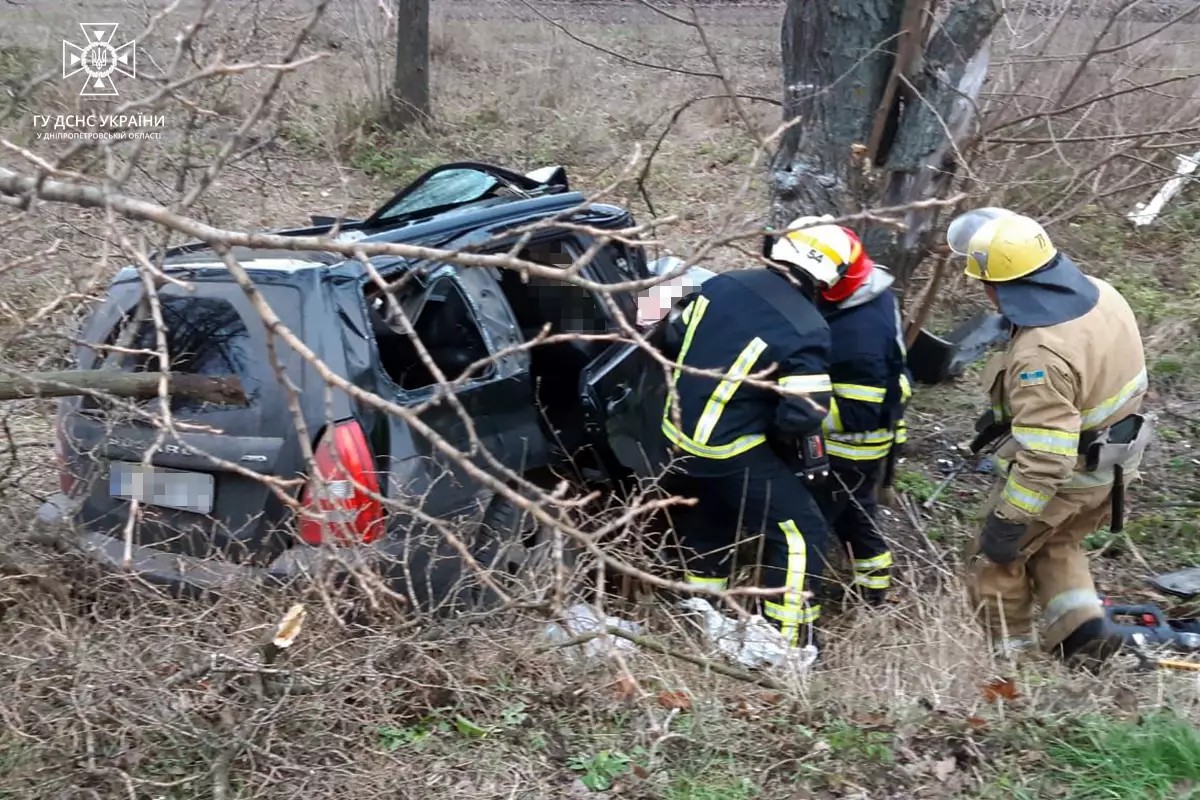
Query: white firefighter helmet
822 251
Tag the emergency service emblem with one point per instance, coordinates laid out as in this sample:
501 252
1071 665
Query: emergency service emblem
98 59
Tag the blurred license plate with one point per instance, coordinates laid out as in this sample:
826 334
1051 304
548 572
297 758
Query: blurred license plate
169 488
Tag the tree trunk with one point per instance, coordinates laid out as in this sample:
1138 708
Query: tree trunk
410 85
144 385
885 91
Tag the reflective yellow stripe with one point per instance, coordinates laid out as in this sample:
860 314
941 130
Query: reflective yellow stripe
701 305
686 316
873 581
875 562
833 420
805 384
1092 417
676 437
734 448
878 436
865 446
1047 440
700 580
1064 603
801 616
791 613
905 388
901 432
1027 500
857 452
726 388
1078 480
854 391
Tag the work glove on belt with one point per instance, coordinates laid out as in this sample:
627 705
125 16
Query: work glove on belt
1001 539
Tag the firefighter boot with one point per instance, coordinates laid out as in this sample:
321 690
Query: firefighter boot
873 588
875 596
1089 645
873 578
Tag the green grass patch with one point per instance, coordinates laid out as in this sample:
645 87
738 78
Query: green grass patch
915 484
1101 758
395 163
712 785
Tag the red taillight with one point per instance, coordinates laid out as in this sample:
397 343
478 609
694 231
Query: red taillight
339 504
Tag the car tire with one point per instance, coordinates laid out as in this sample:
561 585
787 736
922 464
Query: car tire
518 552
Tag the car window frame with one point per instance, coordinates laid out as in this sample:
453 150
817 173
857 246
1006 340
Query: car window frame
592 271
427 280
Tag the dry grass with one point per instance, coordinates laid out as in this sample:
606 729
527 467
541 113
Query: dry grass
394 707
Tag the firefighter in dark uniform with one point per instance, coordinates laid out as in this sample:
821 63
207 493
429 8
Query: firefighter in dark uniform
737 441
871 387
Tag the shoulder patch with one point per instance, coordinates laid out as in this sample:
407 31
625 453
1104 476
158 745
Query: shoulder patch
1034 377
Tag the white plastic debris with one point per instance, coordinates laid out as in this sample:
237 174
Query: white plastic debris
581 619
753 643
1147 213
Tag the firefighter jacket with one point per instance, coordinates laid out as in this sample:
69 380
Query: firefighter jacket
740 324
871 384
1056 384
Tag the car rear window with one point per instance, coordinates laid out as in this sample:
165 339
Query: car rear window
205 336
208 333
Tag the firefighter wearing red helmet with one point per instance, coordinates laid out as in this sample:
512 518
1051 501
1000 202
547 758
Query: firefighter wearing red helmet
871 387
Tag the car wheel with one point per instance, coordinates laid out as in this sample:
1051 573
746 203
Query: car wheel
520 554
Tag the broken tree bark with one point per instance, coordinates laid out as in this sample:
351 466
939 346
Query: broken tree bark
885 92
70 383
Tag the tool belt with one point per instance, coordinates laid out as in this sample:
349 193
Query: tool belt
1119 445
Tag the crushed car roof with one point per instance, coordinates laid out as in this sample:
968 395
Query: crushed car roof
437 211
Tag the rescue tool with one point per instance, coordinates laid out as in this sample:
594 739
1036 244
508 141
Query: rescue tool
988 433
1145 624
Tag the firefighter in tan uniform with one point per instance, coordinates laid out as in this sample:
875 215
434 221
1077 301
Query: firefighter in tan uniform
1073 368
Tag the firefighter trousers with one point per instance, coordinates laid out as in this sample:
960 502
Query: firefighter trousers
764 498
1052 571
849 501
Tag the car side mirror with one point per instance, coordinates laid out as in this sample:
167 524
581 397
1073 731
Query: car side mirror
661 266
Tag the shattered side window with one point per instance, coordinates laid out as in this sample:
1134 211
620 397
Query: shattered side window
445 325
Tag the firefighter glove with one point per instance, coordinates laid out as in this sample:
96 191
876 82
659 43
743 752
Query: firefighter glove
1001 539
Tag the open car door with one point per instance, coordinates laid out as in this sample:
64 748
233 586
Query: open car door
623 391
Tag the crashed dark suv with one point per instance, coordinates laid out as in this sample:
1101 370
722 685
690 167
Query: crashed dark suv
204 519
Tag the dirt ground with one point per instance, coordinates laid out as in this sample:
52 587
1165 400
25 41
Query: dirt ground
110 689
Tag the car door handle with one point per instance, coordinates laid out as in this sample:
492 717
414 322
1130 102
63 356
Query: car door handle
624 392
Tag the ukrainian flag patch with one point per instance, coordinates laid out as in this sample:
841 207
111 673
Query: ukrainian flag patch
1033 377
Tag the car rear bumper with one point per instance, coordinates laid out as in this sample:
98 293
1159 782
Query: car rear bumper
438 571
183 574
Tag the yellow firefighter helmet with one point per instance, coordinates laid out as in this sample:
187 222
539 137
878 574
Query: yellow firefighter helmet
1002 246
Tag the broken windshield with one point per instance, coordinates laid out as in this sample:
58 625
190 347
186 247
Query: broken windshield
448 188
